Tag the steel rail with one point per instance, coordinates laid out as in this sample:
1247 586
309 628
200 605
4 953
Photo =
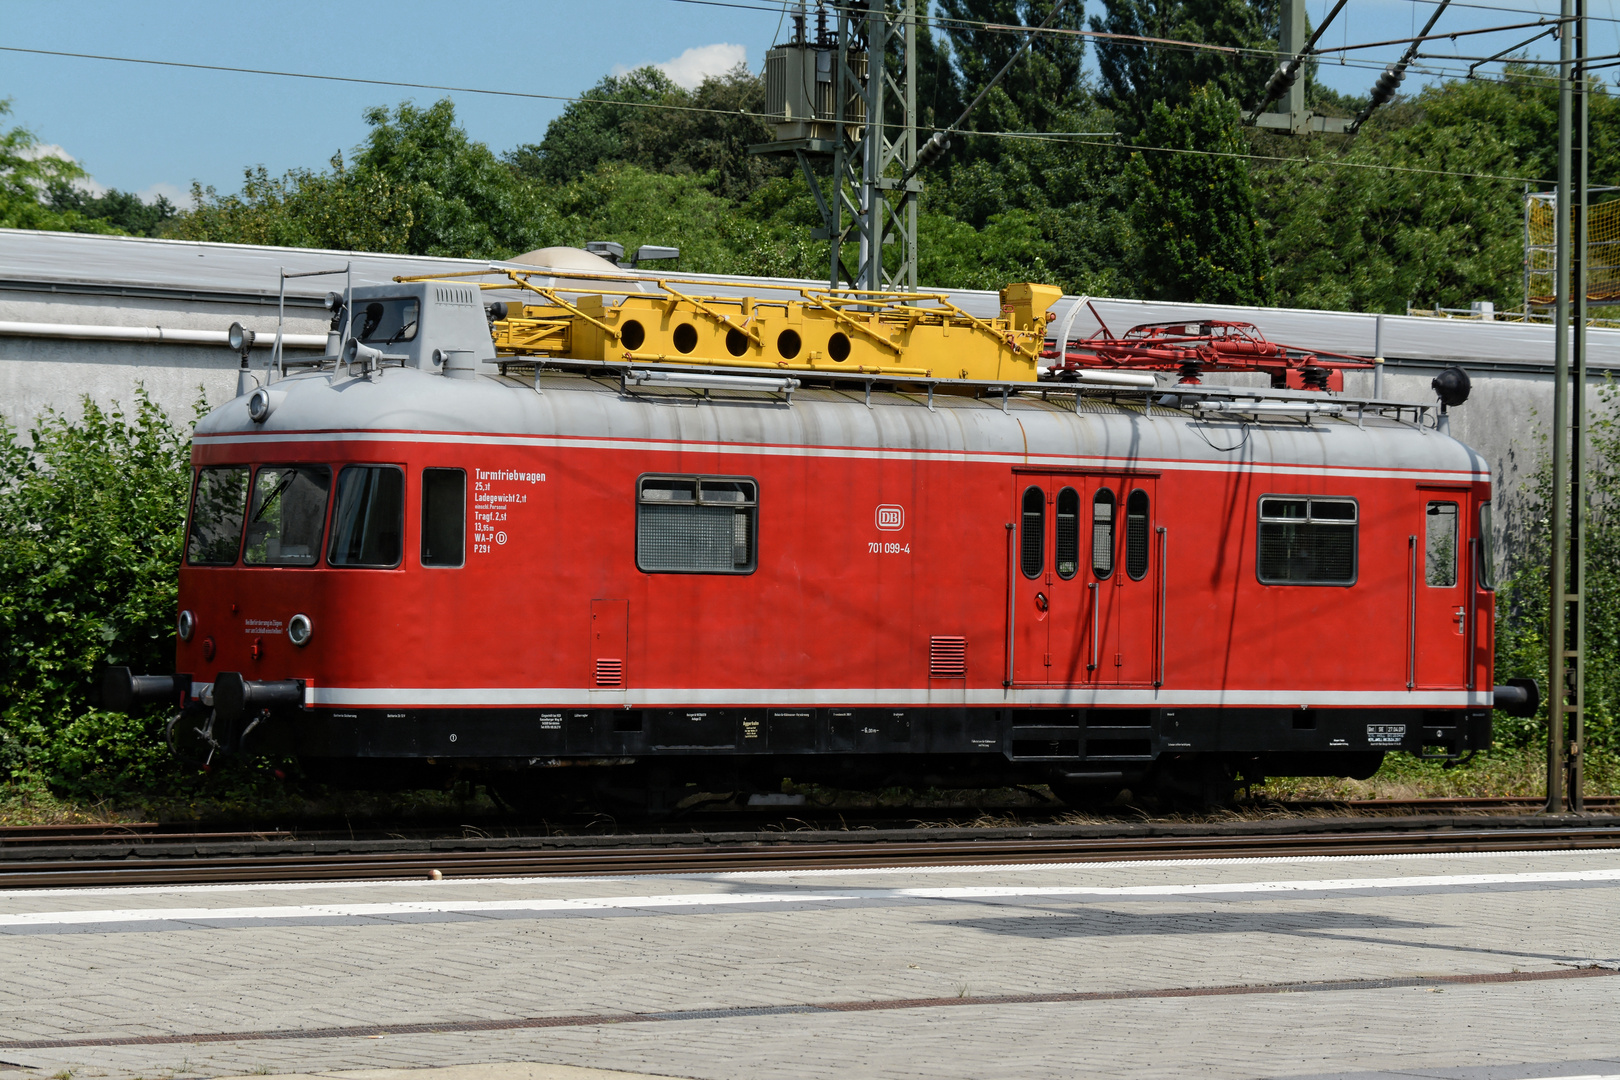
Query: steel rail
699 853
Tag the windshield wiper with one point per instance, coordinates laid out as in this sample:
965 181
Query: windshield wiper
401 332
281 485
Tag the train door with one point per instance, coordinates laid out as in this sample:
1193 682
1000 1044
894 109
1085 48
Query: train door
1127 556
1440 587
1081 568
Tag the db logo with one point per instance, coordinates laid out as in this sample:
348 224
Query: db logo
500 538
891 518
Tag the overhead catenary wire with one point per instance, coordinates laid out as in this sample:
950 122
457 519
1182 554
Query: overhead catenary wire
1068 138
1170 44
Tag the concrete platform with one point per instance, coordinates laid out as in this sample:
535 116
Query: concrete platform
1495 967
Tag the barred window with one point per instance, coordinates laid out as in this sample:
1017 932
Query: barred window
1032 544
1102 533
1307 541
696 525
1136 535
1067 534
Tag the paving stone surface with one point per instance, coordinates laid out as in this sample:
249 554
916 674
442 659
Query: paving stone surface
190 965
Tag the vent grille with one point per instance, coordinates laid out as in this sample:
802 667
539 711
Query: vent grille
610 673
947 658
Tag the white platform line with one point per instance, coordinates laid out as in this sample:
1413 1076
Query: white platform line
600 905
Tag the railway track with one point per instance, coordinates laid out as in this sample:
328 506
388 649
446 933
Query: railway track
155 859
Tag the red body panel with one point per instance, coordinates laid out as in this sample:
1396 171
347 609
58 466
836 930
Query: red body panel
839 608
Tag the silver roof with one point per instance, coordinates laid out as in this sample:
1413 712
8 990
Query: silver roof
66 260
1127 432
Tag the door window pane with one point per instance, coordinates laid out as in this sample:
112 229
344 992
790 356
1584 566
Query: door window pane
288 515
1487 549
1066 553
444 516
1032 543
216 516
1102 533
368 523
1440 545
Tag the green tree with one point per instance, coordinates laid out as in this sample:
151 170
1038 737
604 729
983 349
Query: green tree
26 174
1044 84
122 210
1136 76
1194 212
417 185
646 120
336 209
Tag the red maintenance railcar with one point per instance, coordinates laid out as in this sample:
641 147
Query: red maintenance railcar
428 553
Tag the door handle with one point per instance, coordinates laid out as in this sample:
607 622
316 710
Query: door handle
1091 586
1040 601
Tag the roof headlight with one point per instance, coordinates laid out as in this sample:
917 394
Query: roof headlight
239 337
259 405
299 630
186 625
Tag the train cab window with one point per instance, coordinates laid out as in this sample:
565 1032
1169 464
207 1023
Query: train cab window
1136 535
696 524
1066 536
1440 545
1306 541
1032 542
368 517
217 509
444 517
1102 533
288 515
1487 549
385 322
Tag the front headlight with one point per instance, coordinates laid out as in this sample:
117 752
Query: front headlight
186 625
299 630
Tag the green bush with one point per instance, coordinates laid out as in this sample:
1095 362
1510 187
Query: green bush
92 516
1522 599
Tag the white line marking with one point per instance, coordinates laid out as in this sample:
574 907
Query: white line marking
692 901
552 697
747 875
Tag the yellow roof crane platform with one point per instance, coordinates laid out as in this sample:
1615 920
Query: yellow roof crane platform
888 335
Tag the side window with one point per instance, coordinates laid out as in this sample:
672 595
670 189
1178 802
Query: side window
1440 545
1136 535
1306 541
288 515
696 524
217 509
444 517
1032 541
368 518
1102 533
1487 549
1066 555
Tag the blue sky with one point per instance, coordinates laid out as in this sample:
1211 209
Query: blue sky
154 130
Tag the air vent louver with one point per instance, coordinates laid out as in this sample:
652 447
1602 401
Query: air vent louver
947 658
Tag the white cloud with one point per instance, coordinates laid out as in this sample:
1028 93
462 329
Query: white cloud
90 186
694 65
163 188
